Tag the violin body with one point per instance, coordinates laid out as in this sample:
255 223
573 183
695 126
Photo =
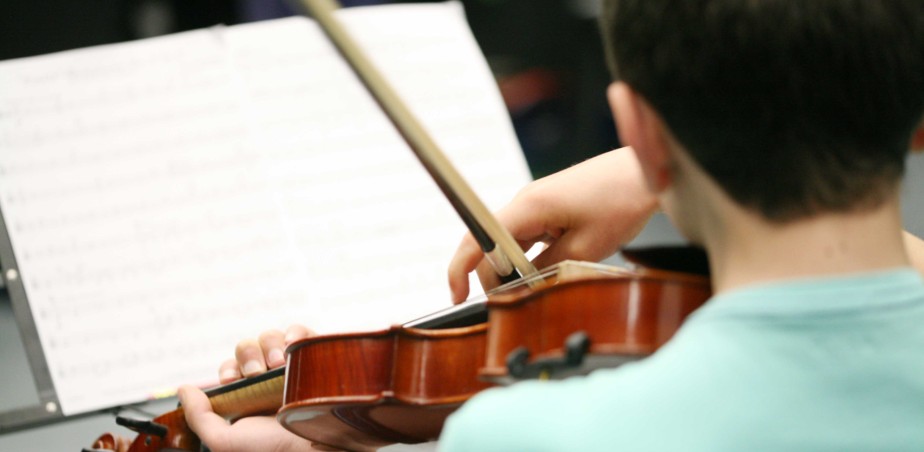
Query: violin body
624 315
364 391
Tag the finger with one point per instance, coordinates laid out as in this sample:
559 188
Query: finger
563 248
569 246
211 428
229 371
487 276
273 342
297 332
463 262
250 357
123 444
469 257
590 243
528 219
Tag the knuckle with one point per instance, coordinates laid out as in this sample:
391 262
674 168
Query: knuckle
270 336
246 346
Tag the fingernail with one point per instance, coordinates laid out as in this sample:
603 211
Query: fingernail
291 337
252 367
276 356
228 375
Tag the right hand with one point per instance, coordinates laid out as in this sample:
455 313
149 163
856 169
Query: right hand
586 212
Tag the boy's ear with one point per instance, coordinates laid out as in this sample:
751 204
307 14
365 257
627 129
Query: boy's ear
917 139
641 128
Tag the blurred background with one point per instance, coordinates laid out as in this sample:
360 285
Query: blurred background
545 55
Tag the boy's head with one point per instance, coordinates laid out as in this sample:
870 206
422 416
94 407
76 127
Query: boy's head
794 107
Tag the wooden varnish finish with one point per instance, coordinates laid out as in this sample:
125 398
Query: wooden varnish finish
363 391
260 397
380 388
629 314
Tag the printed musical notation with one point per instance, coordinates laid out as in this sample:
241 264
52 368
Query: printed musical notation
168 197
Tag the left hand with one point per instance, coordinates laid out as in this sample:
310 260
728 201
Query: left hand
256 433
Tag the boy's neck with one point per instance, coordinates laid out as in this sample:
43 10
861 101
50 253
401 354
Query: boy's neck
747 250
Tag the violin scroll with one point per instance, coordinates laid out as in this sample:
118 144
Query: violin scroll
253 396
166 432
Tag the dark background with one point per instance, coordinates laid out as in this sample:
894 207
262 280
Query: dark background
545 54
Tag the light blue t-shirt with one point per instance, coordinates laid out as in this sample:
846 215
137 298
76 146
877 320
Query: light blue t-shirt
832 364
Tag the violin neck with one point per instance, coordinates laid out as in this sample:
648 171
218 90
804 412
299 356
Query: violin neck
249 397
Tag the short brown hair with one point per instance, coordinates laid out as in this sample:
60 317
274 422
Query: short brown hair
794 107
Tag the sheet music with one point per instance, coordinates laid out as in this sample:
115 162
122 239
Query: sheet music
167 197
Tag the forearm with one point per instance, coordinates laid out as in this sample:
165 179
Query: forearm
624 202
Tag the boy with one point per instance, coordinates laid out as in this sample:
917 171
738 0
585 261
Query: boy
774 133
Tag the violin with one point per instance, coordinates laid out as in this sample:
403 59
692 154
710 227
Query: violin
364 391
590 316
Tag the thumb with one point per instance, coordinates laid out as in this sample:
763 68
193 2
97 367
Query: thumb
211 428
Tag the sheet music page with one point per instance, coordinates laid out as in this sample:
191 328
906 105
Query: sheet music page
168 197
140 228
